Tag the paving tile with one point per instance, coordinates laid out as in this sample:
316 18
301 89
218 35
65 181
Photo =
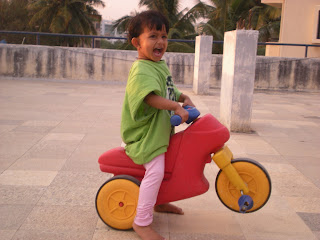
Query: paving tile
70 126
11 122
6 128
38 164
267 158
63 137
36 126
106 127
205 236
88 113
308 166
264 129
292 147
52 149
312 220
6 161
253 144
205 221
20 194
280 236
304 204
317 234
102 139
82 165
61 218
17 143
52 235
115 235
6 234
27 178
61 129
12 216
102 226
67 179
280 168
236 148
85 158
72 196
276 225
294 185
160 224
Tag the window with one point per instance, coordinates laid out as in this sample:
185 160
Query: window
316 25
318 35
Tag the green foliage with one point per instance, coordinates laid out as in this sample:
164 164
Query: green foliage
65 16
219 17
55 16
14 17
180 47
78 16
228 15
181 22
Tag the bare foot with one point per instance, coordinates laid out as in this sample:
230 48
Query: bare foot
146 233
168 208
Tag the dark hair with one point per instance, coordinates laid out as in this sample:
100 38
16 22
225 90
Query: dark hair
148 19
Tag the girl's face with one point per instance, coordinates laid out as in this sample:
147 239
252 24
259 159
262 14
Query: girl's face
151 44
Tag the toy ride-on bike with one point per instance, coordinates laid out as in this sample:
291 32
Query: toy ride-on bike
242 185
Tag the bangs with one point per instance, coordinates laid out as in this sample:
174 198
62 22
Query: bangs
156 23
150 19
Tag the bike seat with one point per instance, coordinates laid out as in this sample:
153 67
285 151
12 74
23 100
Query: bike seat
116 161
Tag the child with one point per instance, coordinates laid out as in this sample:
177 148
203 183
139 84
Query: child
150 99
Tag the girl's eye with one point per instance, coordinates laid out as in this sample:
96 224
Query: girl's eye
152 36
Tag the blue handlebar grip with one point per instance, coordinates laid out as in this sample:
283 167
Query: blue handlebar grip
175 120
193 114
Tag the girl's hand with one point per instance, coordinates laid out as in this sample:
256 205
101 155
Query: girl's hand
182 113
187 101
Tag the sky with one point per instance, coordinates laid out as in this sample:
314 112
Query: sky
116 9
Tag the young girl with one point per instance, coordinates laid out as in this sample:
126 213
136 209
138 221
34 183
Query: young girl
150 99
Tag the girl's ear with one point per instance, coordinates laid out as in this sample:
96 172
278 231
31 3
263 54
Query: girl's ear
135 42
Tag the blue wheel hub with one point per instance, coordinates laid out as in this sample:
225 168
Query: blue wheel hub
245 203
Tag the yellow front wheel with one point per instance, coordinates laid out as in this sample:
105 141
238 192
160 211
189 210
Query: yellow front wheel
117 200
255 177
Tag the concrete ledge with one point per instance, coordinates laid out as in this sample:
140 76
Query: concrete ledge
102 65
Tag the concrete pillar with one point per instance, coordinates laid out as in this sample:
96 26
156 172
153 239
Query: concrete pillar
237 82
202 64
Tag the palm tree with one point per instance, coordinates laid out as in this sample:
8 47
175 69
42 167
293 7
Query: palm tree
14 17
64 16
181 23
227 15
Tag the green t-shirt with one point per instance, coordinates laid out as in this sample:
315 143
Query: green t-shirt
144 129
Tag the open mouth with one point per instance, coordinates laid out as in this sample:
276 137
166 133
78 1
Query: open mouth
158 52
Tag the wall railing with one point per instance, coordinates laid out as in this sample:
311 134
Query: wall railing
93 37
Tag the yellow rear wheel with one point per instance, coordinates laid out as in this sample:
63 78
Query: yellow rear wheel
254 175
117 200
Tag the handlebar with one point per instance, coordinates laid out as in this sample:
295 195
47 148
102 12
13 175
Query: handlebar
193 114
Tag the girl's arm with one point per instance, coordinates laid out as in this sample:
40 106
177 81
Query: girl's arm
185 100
162 103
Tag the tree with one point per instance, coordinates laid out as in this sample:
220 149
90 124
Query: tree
65 16
14 17
181 23
227 15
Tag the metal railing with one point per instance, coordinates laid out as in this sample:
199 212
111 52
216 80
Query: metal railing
291 44
93 37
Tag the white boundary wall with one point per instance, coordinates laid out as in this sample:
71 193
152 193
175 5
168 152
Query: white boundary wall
103 65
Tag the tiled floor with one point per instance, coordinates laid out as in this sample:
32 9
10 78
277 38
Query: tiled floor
52 133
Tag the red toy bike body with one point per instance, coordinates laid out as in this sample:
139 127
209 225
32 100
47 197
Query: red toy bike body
187 154
186 157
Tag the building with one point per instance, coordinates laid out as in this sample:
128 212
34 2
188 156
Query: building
300 23
106 30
